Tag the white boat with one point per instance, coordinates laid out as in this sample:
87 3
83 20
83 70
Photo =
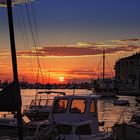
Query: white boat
128 131
75 117
40 107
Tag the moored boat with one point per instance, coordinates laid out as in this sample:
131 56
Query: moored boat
75 117
128 131
40 107
121 102
103 86
9 127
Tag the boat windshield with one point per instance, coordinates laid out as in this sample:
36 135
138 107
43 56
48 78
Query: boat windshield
78 106
60 106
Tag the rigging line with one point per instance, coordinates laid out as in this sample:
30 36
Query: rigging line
109 67
27 41
24 34
121 115
21 28
33 37
35 27
31 29
35 24
19 23
98 66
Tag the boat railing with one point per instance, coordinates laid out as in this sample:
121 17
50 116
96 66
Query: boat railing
26 107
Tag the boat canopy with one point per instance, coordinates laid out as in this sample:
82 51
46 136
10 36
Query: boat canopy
52 92
10 98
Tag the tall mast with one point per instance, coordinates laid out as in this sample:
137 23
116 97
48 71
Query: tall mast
103 64
14 62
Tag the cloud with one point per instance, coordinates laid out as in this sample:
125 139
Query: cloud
76 51
80 49
126 40
128 48
4 53
132 40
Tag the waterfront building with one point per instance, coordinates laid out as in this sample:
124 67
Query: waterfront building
127 71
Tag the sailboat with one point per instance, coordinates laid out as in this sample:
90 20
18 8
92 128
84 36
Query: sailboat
104 86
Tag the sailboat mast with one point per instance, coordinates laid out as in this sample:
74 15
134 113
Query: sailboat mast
14 62
103 64
12 40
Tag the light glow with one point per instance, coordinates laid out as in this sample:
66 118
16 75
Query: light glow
61 79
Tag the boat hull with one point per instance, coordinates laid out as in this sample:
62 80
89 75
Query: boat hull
37 116
12 131
126 132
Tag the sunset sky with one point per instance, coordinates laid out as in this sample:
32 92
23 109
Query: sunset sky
63 40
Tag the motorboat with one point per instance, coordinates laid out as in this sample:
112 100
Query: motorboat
75 117
108 95
121 102
128 131
9 126
40 107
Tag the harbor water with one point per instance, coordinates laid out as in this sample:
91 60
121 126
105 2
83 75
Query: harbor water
108 112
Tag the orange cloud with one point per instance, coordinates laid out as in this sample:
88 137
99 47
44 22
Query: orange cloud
76 51
76 61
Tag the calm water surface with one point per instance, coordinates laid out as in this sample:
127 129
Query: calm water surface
108 113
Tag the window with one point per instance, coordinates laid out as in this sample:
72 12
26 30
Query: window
60 106
92 106
83 130
78 106
64 129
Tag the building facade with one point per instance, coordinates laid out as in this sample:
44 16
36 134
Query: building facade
127 71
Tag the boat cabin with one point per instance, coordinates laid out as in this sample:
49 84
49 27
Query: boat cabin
75 114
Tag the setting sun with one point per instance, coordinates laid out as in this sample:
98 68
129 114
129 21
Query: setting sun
61 79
